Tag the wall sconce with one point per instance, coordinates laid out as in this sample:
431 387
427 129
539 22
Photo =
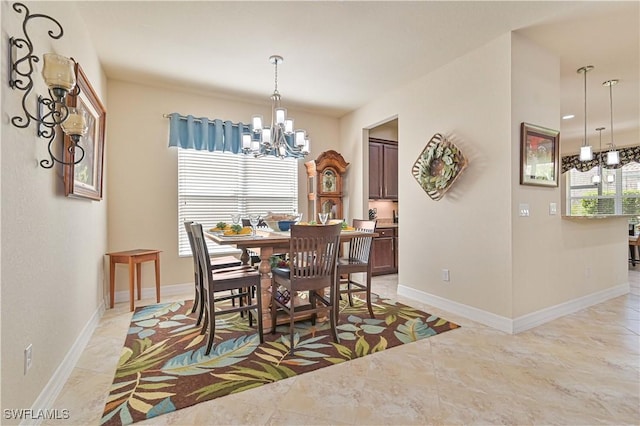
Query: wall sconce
59 73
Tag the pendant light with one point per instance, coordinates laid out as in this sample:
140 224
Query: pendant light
613 156
586 154
597 178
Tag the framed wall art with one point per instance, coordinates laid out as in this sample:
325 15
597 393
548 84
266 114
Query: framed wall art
539 155
84 179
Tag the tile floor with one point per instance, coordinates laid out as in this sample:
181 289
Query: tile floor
582 369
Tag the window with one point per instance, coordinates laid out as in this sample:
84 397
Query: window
213 185
618 193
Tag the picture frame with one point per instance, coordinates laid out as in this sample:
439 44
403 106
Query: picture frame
539 155
84 180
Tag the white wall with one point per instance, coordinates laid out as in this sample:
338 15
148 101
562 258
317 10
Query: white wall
52 246
143 198
474 231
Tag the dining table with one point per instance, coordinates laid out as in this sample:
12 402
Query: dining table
269 243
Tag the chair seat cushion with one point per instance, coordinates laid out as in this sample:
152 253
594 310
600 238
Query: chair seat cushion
350 262
281 272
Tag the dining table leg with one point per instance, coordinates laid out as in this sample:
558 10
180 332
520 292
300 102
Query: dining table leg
265 285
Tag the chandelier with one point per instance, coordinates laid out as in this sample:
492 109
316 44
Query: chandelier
277 139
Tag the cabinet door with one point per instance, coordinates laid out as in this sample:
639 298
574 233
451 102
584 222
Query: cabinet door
390 172
384 253
375 170
383 256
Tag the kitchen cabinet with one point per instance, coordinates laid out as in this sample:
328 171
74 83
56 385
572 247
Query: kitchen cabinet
384 254
383 169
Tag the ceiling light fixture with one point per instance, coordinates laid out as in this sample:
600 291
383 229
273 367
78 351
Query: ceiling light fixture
568 116
586 154
613 156
597 178
279 138
59 73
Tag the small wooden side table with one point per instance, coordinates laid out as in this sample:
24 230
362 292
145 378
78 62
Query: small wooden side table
133 257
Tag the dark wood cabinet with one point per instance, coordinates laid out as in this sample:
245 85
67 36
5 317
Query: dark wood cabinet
390 171
385 252
383 169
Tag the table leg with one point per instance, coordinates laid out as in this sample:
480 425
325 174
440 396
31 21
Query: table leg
139 278
265 285
112 281
131 282
157 262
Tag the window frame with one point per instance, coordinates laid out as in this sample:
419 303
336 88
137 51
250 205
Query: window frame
621 175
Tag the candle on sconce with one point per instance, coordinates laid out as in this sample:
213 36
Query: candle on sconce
76 122
58 71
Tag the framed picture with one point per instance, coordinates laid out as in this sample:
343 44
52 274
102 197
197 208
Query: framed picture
84 180
539 155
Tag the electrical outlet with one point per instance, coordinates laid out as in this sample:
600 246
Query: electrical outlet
28 358
445 275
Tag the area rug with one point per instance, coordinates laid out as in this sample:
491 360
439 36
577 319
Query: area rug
163 367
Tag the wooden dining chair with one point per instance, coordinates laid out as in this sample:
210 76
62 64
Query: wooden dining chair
313 251
358 260
216 263
240 282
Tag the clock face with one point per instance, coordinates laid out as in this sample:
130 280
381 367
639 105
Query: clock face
329 180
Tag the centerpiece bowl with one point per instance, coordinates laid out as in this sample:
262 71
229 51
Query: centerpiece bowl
281 222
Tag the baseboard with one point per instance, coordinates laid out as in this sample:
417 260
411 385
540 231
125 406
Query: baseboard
150 292
521 323
551 313
478 315
47 397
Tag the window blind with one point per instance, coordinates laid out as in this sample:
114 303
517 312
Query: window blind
618 192
214 185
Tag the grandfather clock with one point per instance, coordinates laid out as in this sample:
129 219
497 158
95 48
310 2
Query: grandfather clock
330 170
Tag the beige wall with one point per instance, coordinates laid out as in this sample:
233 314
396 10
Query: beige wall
143 210
553 258
52 246
475 231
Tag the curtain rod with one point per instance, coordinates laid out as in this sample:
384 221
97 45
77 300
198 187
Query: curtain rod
199 120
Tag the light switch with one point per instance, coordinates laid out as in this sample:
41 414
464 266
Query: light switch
524 210
553 208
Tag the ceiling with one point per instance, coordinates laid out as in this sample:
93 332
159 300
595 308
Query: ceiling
340 55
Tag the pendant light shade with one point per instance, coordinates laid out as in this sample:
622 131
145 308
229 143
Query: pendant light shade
597 178
613 156
586 153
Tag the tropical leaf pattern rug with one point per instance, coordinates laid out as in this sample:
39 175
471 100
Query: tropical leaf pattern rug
163 367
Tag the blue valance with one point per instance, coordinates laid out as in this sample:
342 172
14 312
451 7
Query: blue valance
201 133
